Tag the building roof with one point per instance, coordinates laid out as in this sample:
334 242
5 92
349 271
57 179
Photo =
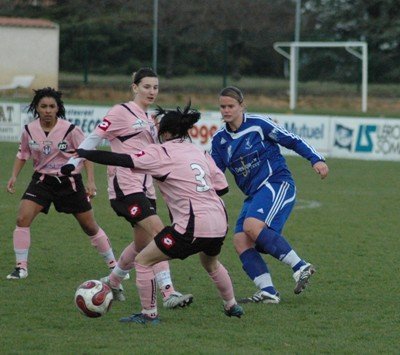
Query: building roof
26 22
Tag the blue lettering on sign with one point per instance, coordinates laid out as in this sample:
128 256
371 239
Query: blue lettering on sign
87 125
364 141
305 131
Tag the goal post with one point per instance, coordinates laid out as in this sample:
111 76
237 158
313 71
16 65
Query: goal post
349 46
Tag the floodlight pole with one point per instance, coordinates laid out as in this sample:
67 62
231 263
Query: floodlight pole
155 34
349 46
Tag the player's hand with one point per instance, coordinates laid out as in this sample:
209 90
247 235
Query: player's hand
67 169
10 185
321 168
91 190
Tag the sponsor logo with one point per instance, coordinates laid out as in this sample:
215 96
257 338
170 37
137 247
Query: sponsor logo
305 131
32 145
141 153
370 138
105 124
168 241
364 141
135 210
62 146
343 137
139 123
273 134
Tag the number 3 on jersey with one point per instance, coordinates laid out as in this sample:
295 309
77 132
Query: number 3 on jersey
202 186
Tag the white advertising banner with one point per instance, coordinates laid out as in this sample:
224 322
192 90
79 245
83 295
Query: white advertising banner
313 129
203 131
85 117
341 137
367 138
10 122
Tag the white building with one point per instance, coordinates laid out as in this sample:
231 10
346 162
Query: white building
29 47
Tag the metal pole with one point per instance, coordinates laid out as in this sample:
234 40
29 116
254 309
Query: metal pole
292 77
155 34
295 63
364 77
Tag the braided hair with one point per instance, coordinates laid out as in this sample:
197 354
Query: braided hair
47 92
177 122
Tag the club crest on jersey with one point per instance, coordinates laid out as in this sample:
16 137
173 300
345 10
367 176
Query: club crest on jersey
47 147
168 241
248 143
62 146
104 125
135 210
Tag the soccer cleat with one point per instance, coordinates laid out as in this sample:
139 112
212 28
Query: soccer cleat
176 299
17 274
234 311
302 276
118 293
262 297
127 276
140 318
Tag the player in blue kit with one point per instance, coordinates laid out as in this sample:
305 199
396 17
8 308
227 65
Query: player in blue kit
248 145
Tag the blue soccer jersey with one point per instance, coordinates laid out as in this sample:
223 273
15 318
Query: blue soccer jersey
252 152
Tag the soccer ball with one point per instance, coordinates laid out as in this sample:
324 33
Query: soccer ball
93 298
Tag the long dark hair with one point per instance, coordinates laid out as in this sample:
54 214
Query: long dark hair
47 92
177 122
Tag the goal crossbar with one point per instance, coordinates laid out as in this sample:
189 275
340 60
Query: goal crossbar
349 46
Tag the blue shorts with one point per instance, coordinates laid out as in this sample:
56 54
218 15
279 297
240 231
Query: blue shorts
272 204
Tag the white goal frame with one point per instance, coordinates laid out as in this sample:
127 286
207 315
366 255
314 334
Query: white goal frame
349 46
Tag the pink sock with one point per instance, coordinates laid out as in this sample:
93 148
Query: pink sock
223 282
102 244
146 284
22 242
163 278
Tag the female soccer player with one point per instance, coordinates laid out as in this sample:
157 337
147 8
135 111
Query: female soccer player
129 129
190 183
46 140
248 145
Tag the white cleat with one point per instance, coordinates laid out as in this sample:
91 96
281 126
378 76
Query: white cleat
17 274
176 299
262 297
302 276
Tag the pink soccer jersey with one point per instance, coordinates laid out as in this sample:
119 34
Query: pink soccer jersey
48 152
187 178
129 130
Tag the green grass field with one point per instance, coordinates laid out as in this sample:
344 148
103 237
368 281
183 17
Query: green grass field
351 306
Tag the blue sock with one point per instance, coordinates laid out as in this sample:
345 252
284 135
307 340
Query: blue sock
298 265
253 264
273 243
256 268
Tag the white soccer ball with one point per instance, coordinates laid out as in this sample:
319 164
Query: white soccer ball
93 298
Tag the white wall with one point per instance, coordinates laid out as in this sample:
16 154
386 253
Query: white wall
29 50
